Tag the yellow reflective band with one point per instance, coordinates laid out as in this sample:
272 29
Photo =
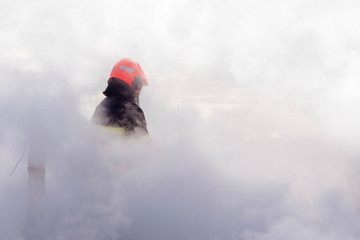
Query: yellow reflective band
121 131
116 129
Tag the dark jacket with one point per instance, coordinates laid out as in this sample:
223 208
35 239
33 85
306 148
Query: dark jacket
120 110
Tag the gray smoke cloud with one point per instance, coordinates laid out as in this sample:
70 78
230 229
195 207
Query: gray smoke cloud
251 108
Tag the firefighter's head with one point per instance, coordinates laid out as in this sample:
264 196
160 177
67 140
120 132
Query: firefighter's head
129 72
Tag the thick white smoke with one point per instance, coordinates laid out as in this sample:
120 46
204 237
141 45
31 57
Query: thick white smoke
251 108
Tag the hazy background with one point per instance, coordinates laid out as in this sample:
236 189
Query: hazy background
252 108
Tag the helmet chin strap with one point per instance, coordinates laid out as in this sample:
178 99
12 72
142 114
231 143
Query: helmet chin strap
137 101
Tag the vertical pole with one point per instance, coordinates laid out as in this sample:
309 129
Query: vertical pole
36 191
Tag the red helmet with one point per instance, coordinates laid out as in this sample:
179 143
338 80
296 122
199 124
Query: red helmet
131 73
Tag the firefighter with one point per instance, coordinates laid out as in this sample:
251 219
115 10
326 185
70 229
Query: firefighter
120 110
